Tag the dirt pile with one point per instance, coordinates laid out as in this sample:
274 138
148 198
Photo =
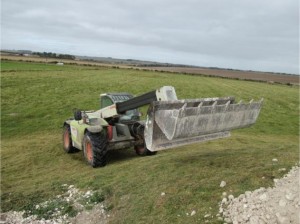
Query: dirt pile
279 204
74 206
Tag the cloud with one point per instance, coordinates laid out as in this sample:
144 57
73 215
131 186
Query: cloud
256 35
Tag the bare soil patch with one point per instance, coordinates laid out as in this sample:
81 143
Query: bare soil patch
234 74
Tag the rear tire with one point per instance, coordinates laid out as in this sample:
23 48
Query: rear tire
141 150
95 148
67 140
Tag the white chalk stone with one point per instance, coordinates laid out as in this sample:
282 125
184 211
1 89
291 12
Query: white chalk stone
282 203
263 197
223 183
230 197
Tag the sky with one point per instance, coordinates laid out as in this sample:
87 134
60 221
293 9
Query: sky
261 35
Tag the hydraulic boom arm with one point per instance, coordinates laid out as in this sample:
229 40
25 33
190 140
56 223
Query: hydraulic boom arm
165 93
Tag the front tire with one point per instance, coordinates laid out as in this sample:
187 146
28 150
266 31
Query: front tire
95 148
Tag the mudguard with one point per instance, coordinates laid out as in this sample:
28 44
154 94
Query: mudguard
95 129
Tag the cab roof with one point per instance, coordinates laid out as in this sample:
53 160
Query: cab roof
118 97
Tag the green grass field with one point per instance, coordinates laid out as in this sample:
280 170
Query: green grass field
37 98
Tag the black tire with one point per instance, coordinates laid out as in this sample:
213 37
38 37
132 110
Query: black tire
67 140
143 151
95 148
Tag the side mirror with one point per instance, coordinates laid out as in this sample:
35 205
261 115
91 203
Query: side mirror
77 115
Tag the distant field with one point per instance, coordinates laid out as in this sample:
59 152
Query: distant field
226 73
51 60
36 98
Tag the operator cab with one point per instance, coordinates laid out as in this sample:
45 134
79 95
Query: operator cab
108 99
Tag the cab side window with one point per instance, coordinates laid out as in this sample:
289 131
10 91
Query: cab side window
105 102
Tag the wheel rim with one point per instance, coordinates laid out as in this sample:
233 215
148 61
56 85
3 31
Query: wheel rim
88 149
66 139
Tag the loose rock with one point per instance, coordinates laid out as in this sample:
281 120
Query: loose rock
74 198
223 183
279 204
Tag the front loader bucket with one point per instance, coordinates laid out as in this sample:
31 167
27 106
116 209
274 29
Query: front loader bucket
181 122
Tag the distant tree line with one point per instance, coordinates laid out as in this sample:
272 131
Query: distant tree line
54 55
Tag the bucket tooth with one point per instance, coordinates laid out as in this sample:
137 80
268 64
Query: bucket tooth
182 110
200 104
